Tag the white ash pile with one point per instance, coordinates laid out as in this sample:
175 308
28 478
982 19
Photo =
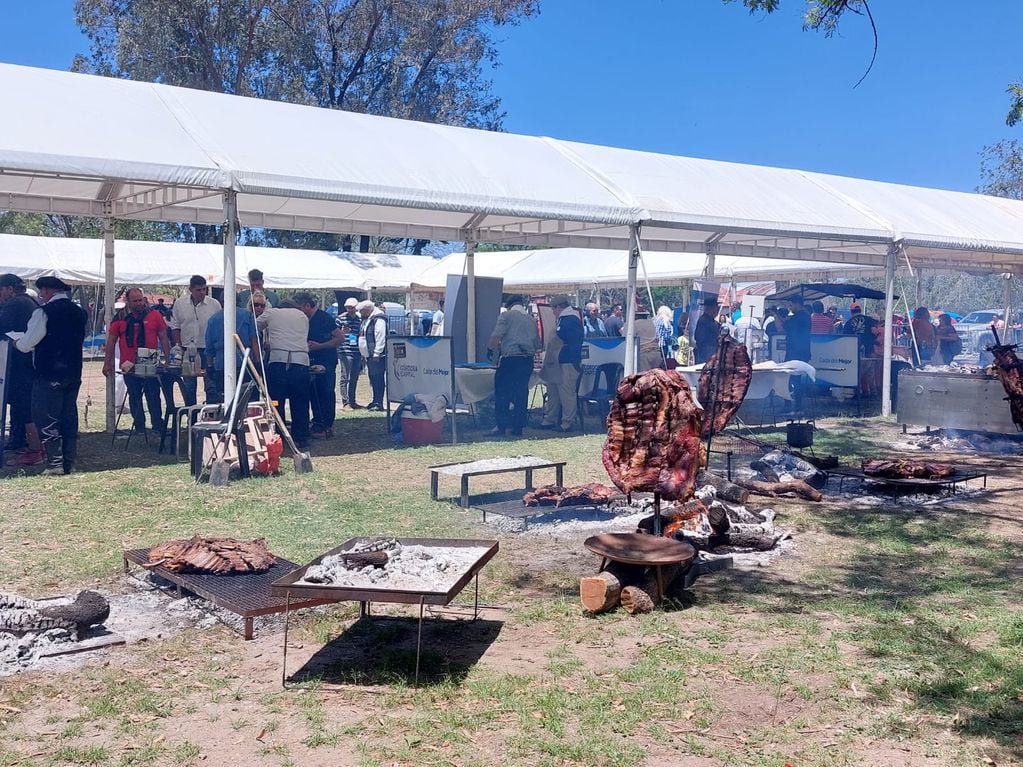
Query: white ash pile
779 466
961 442
28 627
388 564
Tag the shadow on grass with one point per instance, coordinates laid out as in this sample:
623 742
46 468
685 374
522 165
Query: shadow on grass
381 650
904 571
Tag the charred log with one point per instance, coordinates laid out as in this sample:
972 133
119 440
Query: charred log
775 489
724 489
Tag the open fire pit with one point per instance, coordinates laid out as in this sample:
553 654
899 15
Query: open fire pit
422 571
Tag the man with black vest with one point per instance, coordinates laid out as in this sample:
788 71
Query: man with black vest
55 334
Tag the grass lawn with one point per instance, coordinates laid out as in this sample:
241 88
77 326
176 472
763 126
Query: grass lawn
891 635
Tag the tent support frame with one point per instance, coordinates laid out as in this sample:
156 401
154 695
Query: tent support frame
894 249
630 301
230 238
108 308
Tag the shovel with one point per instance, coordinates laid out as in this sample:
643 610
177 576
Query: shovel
220 470
303 461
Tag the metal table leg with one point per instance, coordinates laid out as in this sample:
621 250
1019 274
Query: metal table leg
287 623
465 491
434 477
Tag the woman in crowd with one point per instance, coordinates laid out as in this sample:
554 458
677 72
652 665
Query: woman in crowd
665 336
923 333
949 343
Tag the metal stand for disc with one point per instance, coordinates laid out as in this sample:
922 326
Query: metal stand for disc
657 514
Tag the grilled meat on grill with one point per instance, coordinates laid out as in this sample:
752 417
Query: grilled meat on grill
653 436
902 469
590 494
211 555
724 381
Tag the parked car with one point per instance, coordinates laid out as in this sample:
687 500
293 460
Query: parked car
973 324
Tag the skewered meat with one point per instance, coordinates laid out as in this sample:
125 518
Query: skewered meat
902 469
723 384
211 555
653 436
590 494
1009 370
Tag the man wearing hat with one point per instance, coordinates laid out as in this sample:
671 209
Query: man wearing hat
373 347
561 394
707 331
16 308
55 334
349 355
517 339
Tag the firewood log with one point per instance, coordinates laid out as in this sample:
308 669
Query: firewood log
750 537
728 491
644 597
636 600
601 592
359 559
774 489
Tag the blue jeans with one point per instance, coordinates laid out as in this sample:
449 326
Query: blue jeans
324 398
511 392
139 386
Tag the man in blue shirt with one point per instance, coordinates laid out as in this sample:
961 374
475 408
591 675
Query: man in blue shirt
245 327
563 395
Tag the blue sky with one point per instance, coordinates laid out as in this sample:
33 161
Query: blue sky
706 79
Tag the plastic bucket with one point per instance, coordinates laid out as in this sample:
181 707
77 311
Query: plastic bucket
420 430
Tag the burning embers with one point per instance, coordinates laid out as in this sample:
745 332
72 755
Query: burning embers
386 563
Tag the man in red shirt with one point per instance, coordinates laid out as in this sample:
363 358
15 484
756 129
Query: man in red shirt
141 328
820 323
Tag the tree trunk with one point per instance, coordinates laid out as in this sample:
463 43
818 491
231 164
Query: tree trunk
728 491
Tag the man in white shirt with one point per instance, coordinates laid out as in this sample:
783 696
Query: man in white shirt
373 345
189 316
437 328
287 370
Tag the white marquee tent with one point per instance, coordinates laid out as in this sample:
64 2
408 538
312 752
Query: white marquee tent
81 261
186 155
562 269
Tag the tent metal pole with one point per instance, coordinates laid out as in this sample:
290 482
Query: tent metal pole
230 236
889 310
108 310
630 301
470 306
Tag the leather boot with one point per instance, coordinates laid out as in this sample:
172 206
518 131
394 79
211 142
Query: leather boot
70 453
54 457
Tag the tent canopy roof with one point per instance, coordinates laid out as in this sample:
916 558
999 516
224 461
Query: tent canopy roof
572 268
172 151
80 261
818 292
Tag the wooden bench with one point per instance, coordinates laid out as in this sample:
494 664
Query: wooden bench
524 463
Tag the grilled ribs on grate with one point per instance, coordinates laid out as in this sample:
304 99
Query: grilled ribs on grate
592 493
212 555
903 469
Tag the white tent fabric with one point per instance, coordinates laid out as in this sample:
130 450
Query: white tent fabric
80 261
572 268
303 168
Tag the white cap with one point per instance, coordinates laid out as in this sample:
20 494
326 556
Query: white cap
350 302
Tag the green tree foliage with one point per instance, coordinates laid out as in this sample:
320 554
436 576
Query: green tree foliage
400 58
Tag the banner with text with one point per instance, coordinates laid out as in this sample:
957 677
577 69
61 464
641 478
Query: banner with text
418 365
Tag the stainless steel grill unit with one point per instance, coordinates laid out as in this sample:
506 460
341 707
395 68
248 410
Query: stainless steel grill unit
966 401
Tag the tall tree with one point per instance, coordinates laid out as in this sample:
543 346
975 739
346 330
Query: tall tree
419 59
